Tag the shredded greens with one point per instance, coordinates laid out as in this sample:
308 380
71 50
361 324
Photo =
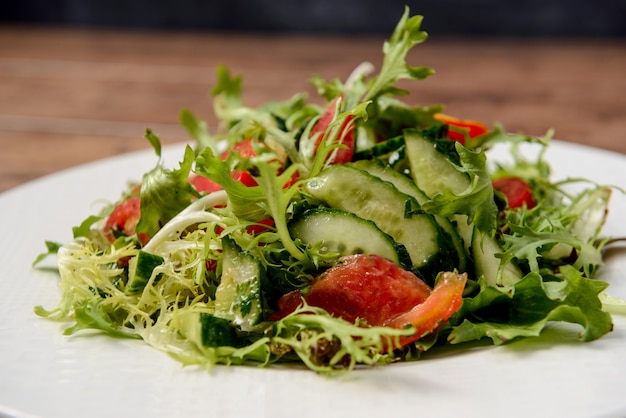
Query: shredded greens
212 256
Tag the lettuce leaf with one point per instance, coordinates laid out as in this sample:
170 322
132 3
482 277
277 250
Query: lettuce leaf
198 130
164 193
52 248
94 315
405 36
526 309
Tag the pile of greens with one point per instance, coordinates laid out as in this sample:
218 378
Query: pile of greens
556 244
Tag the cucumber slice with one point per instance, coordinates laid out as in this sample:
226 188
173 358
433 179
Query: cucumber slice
345 233
434 172
140 270
387 173
206 330
380 149
238 296
348 188
484 250
407 186
431 169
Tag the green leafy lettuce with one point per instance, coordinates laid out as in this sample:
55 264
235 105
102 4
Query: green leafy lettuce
164 193
526 309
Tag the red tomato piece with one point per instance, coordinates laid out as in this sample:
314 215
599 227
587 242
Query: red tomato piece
245 148
346 134
516 190
368 287
244 178
203 184
471 127
260 226
376 290
361 286
287 303
123 219
211 265
445 299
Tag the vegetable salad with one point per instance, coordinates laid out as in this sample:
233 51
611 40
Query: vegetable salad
362 231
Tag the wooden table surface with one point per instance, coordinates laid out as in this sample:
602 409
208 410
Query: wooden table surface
70 96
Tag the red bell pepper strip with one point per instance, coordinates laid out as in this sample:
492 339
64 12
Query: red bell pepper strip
468 128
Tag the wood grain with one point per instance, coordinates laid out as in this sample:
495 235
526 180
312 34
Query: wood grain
69 97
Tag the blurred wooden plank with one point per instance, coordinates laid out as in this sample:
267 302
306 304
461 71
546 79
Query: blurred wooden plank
91 94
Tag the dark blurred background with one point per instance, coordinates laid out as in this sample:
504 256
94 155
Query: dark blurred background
504 18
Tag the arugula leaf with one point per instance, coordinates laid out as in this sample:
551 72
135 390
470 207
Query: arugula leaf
530 245
499 135
328 90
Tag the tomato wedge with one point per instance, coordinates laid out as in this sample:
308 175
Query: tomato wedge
123 220
444 301
345 136
203 184
471 128
378 291
245 148
367 287
516 190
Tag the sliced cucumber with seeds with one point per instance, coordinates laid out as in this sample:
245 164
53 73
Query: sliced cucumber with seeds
345 233
407 186
238 296
434 172
354 190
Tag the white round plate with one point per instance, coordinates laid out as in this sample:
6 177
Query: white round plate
43 373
